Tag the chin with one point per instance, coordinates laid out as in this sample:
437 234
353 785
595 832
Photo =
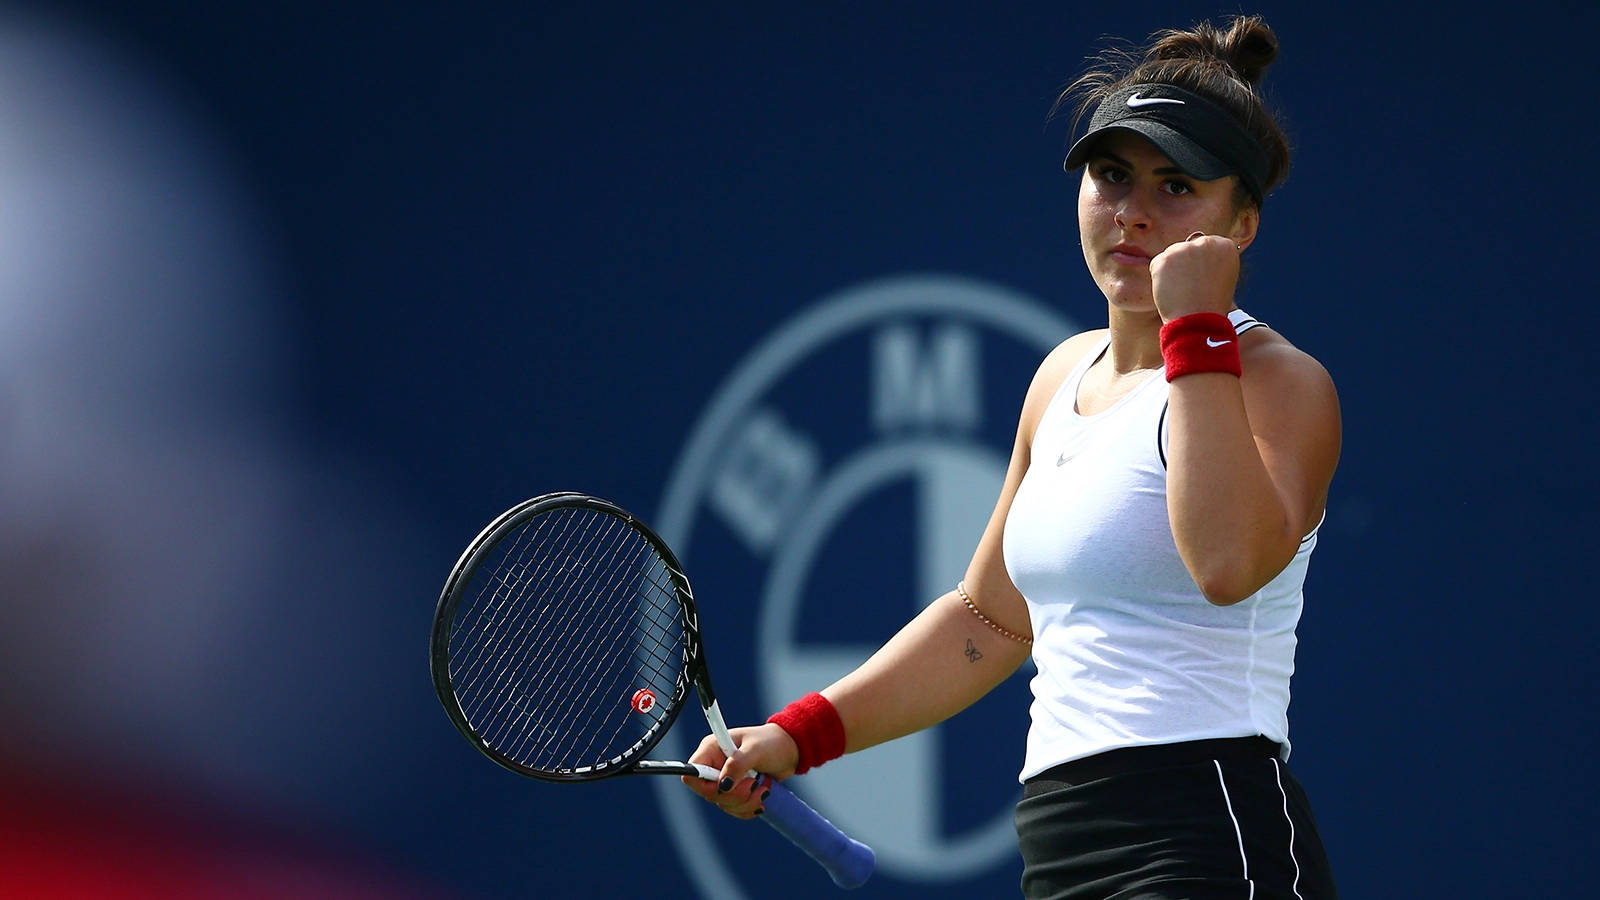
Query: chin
1130 298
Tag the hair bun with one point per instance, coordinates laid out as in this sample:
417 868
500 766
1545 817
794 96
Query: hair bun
1246 46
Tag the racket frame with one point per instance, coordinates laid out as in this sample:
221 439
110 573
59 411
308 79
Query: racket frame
693 671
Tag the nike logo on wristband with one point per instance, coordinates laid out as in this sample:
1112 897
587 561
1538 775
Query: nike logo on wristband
1211 343
1137 101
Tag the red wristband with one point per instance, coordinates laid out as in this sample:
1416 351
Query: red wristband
1199 342
816 728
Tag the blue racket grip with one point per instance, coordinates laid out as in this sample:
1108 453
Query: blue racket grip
848 861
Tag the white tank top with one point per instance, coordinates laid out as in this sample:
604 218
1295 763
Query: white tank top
1129 652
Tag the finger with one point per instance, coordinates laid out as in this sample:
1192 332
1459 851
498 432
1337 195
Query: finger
734 770
1195 235
742 785
705 789
748 798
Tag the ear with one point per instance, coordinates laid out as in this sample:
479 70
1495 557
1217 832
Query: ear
1245 223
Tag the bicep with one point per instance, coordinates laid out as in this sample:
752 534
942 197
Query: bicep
987 581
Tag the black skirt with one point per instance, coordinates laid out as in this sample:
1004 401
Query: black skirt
1193 821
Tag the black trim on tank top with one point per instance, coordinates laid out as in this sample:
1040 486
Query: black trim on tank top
1161 427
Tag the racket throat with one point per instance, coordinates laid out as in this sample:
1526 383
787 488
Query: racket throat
719 725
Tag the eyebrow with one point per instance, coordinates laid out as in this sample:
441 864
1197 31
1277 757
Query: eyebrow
1164 170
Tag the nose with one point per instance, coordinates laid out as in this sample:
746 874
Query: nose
1131 213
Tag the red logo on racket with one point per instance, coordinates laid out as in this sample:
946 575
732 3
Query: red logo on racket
644 700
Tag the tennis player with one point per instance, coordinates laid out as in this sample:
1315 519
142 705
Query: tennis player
1153 533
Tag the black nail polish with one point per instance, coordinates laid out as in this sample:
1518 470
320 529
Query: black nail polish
760 811
725 785
765 794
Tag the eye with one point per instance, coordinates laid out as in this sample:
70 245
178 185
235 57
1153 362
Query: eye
1178 187
1113 174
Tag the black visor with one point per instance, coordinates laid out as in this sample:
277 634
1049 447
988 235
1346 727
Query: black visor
1200 137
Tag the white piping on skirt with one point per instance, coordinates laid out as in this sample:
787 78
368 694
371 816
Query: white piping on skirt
1277 770
1237 833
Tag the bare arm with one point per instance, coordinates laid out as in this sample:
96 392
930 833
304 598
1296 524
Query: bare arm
928 671
946 658
1249 466
1250 458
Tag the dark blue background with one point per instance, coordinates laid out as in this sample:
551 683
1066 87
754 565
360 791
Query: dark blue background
518 246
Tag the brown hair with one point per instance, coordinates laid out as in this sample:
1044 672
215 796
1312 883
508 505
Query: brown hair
1223 65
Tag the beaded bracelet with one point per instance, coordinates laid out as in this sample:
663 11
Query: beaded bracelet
961 588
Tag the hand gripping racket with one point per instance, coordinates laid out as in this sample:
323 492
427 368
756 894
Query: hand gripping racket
564 647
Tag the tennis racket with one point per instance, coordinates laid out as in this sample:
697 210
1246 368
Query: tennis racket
565 644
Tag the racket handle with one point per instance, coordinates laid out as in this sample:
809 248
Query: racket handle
848 861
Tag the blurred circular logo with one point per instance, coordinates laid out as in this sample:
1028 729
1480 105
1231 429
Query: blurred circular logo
838 480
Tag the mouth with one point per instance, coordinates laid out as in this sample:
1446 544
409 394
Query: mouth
1130 255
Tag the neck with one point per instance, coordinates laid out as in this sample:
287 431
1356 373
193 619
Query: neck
1135 341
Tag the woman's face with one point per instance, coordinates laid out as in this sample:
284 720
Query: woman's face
1133 203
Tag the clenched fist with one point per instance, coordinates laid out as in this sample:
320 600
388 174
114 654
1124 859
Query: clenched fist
1195 275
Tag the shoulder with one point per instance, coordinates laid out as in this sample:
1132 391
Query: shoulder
1272 364
1053 371
1289 395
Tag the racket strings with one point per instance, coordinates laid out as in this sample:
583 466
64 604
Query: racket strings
509 616
517 619
533 662
652 641
603 697
602 712
563 679
512 647
471 648
571 614
491 630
